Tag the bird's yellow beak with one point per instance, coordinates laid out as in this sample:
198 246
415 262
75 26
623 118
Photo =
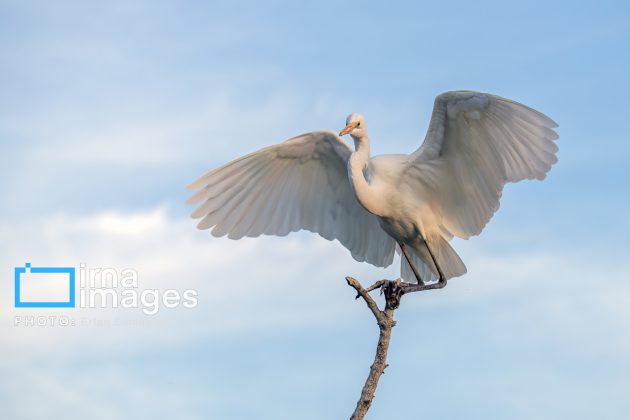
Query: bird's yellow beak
348 128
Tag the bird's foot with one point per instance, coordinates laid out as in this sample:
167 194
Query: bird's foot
395 289
393 293
392 289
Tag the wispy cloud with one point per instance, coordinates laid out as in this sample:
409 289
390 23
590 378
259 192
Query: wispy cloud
268 284
261 281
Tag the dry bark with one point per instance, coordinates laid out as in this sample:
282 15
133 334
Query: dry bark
393 291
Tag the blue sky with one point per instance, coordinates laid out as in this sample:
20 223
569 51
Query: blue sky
108 110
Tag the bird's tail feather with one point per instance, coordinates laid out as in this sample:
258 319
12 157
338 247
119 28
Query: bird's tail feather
447 258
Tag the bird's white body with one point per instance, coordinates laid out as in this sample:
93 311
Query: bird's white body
406 214
450 186
400 215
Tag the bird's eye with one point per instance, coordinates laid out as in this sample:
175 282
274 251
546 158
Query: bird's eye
358 123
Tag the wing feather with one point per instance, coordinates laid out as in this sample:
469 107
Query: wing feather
255 206
299 184
475 144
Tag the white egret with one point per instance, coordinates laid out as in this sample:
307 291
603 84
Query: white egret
415 203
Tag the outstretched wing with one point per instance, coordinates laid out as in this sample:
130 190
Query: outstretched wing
299 184
475 144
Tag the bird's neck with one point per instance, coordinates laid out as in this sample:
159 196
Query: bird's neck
363 190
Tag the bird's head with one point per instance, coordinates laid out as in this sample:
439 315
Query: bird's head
355 126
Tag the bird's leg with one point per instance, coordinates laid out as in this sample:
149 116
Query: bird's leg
409 288
404 251
442 280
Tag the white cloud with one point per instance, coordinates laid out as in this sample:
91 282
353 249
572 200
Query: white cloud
242 285
279 282
285 284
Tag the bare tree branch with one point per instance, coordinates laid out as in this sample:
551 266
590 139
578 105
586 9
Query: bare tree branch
393 290
361 292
